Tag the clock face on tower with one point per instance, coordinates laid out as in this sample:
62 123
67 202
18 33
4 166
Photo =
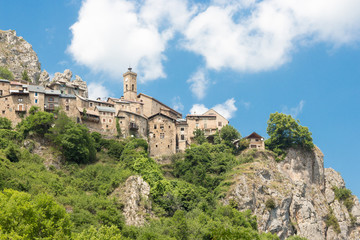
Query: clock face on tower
126 79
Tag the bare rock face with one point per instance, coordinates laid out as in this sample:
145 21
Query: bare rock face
62 77
293 197
44 78
135 197
17 55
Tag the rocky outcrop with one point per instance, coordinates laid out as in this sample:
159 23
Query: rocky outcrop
18 56
134 195
294 196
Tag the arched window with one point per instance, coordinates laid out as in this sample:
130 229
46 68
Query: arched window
132 87
126 87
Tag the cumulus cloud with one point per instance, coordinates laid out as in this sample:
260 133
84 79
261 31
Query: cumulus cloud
198 109
242 35
226 109
110 35
97 90
199 83
227 36
177 105
294 111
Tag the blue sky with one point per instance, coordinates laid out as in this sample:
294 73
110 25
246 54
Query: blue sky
245 58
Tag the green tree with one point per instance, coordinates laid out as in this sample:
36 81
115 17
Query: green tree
74 140
228 134
199 136
25 217
25 76
286 132
118 129
103 233
38 122
5 123
33 110
5 73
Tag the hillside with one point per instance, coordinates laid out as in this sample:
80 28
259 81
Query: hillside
17 55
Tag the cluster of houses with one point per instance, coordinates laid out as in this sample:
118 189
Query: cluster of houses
137 114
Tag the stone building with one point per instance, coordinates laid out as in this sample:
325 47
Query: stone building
138 115
256 141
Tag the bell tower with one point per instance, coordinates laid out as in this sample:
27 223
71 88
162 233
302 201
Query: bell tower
130 88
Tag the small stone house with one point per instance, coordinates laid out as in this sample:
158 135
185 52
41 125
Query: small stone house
256 141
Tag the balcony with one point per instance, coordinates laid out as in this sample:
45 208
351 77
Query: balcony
19 92
133 126
20 109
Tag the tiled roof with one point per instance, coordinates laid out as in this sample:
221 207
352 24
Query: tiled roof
52 92
36 88
105 109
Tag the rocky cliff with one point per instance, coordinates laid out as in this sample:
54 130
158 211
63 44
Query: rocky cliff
17 55
294 196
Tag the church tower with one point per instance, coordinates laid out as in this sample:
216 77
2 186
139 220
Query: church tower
130 88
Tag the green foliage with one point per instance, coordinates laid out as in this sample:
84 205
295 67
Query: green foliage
286 132
296 238
118 129
38 123
228 134
345 196
205 165
22 215
103 233
73 139
270 204
199 136
5 123
5 73
12 152
25 76
331 221
33 110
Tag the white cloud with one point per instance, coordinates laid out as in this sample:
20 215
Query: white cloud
295 111
261 35
110 35
199 83
226 109
198 109
97 90
177 105
242 35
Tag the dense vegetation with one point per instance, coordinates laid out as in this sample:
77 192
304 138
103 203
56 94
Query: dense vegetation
286 132
68 192
5 73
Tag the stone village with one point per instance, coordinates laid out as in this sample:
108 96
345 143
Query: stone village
138 115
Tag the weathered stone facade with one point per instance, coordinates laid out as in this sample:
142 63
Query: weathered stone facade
138 115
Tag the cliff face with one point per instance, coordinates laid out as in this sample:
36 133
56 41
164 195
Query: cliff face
295 196
17 55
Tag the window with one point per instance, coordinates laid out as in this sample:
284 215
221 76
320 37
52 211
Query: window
156 145
205 125
154 126
182 137
20 100
197 125
154 135
112 114
36 94
3 111
51 106
91 104
169 126
109 120
132 87
67 108
0 92
162 135
182 129
51 99
219 124
126 87
161 126
67 100
36 101
168 146
6 99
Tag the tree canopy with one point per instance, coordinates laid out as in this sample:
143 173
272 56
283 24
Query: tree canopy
286 132
5 73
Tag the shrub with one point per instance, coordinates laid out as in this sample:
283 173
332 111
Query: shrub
25 76
345 196
104 232
270 204
331 221
296 238
228 134
5 123
39 123
199 136
5 73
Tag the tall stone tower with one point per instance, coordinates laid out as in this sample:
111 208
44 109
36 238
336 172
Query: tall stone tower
130 88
